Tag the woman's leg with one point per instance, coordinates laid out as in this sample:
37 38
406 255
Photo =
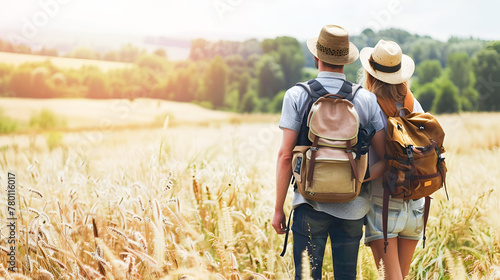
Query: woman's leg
406 248
392 266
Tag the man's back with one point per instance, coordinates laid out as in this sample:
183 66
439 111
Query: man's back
295 107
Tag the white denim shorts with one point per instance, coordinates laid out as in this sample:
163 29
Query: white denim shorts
406 218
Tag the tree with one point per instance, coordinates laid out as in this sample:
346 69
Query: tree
250 102
270 77
291 61
20 82
128 53
197 49
426 95
428 70
153 62
460 70
487 70
39 78
160 52
111 56
447 101
84 53
288 54
215 81
249 47
97 87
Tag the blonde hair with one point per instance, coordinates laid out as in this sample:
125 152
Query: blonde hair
382 89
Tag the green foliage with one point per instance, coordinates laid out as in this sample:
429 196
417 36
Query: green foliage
84 53
39 83
288 55
469 98
460 69
250 102
97 85
447 101
232 100
428 70
46 119
153 62
277 103
219 71
160 52
7 125
20 82
351 71
215 81
270 77
487 70
128 53
426 95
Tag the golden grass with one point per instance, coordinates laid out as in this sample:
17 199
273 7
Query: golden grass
81 113
196 202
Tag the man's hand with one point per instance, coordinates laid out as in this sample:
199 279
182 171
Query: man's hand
279 221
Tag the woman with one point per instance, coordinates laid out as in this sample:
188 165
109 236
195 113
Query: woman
387 71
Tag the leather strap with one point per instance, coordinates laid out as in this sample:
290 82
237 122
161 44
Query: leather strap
314 149
385 217
427 208
286 234
354 169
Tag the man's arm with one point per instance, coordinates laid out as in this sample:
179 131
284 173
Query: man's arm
283 176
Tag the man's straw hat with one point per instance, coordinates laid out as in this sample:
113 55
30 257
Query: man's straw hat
333 46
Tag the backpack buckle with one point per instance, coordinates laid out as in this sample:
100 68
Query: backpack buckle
440 156
409 152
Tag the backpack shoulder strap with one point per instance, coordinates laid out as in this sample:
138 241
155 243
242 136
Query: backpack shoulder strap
389 106
408 103
302 139
347 90
313 86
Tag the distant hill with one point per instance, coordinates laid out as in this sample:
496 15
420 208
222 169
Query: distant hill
62 62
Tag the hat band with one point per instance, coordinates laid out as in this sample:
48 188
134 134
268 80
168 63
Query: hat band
332 52
383 68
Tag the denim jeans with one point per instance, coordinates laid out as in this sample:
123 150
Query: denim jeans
311 229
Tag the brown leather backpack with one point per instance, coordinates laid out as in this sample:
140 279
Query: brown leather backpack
414 151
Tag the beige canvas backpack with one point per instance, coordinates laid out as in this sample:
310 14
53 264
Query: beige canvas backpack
330 170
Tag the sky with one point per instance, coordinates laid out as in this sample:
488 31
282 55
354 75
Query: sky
244 19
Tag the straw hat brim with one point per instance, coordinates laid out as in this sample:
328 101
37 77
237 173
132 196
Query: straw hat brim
336 60
402 75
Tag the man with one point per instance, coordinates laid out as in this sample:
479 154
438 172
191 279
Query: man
314 221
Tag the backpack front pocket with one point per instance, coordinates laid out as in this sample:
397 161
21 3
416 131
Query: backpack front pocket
331 173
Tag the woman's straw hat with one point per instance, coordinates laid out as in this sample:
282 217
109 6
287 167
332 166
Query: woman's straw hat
387 63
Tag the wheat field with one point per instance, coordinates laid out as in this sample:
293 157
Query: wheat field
196 202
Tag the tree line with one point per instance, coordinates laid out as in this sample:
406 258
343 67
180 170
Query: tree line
252 76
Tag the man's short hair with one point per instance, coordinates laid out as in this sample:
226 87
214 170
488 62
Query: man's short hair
333 66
